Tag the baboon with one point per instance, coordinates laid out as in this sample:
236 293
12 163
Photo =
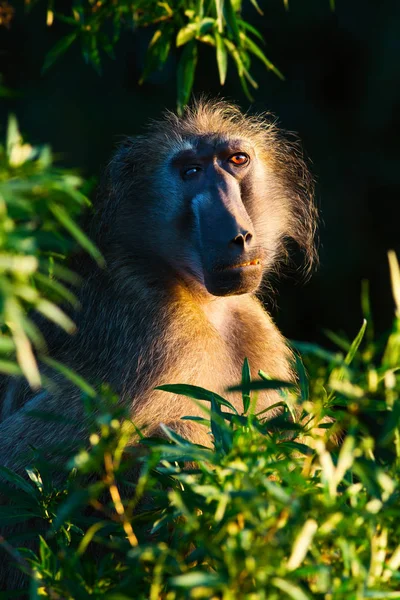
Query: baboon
190 218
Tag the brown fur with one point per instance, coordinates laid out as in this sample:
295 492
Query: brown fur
144 320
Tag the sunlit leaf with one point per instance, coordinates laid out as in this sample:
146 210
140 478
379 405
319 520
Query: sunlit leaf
185 73
222 57
76 232
254 49
196 392
355 345
219 5
186 34
71 375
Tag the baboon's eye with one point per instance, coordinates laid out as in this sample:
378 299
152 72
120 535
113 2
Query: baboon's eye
239 159
189 172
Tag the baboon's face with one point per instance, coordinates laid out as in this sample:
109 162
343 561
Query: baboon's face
219 231
211 196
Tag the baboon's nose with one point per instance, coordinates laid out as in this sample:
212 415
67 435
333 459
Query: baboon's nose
242 239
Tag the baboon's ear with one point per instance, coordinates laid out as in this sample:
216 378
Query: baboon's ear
116 182
304 227
123 161
304 214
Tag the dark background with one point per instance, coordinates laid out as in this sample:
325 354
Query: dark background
341 94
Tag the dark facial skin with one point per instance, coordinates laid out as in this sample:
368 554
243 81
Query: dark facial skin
213 176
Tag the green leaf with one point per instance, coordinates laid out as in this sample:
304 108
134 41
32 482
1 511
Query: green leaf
337 339
10 368
56 287
298 447
251 29
12 515
6 344
174 436
290 589
196 579
395 280
206 25
314 349
18 481
186 34
242 71
254 49
246 382
356 343
271 384
185 73
52 312
76 379
231 21
303 379
196 392
58 50
222 57
75 501
60 213
219 6
222 433
157 51
257 7
13 135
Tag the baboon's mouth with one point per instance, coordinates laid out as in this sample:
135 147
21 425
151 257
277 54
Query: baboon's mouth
235 278
256 261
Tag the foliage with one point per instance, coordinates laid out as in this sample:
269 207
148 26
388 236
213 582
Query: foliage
38 207
182 24
276 509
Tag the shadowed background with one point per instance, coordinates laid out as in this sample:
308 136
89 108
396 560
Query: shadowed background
341 95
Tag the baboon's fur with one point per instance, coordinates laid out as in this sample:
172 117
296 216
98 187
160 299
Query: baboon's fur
142 322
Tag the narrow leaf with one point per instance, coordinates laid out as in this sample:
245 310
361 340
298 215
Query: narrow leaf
17 481
222 57
303 379
356 343
231 20
395 279
55 314
196 392
290 589
185 73
186 34
219 5
71 375
272 384
257 7
254 49
246 380
58 50
76 232
251 29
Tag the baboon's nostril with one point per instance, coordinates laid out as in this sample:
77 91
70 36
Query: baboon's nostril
241 239
248 236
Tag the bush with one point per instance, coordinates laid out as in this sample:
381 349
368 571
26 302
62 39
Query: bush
275 510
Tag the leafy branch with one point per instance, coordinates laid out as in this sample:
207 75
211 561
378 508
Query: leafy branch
182 25
38 207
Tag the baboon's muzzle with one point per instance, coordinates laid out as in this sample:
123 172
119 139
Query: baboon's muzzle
232 262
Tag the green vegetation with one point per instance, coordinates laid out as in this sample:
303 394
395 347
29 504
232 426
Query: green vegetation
276 509
182 25
38 207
